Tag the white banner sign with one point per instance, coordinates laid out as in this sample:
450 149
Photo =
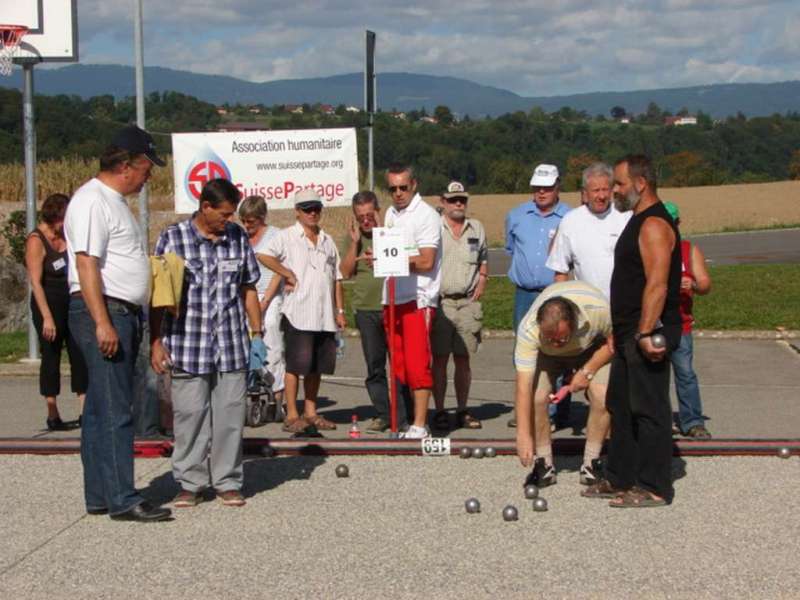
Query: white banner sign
389 251
272 164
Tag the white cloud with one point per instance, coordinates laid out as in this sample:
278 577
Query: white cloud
531 47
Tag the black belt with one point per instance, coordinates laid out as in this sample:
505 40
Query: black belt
134 308
454 296
524 289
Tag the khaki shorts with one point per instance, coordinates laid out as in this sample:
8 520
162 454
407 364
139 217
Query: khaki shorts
457 328
550 368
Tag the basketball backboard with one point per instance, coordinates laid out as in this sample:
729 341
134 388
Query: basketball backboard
52 28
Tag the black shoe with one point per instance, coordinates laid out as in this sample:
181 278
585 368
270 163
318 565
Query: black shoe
96 511
541 475
589 475
57 425
144 513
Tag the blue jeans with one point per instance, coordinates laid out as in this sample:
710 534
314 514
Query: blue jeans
107 422
690 407
523 300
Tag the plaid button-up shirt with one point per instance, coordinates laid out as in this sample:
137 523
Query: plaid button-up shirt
210 334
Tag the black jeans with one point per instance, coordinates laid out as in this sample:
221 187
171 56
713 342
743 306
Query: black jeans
374 345
49 369
640 450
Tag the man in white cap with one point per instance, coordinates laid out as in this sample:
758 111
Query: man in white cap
313 307
459 318
530 227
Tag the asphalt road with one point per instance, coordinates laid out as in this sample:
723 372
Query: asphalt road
748 247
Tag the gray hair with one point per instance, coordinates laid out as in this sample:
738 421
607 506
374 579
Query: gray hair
397 168
365 197
253 206
555 310
597 169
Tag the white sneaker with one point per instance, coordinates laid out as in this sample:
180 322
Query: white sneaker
415 433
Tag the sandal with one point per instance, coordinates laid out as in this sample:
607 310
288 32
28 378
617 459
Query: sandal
602 489
320 422
467 421
636 498
295 425
440 421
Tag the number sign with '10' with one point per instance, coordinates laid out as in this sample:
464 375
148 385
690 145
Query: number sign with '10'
389 251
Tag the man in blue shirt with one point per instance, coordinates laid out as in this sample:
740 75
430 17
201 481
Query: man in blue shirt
530 228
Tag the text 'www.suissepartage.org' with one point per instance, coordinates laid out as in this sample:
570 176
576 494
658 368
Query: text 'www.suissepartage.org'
300 165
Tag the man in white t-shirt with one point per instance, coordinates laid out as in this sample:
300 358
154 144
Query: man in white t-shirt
586 236
109 280
417 295
585 244
253 215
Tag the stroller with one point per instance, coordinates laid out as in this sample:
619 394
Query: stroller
262 407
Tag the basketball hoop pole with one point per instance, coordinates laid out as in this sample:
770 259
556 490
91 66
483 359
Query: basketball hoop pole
144 209
29 136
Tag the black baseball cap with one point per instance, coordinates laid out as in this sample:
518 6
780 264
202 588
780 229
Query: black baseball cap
137 141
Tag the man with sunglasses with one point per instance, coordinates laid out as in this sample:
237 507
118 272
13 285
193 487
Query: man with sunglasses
458 323
530 227
417 294
566 330
313 307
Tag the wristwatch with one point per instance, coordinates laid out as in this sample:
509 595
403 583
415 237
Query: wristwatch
587 373
639 335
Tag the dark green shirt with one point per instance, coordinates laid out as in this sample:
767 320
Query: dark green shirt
367 288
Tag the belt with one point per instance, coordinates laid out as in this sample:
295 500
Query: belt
454 296
524 289
134 308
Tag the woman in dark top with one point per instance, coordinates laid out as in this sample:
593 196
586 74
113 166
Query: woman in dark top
46 262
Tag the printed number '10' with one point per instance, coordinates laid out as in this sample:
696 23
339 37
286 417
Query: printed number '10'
390 252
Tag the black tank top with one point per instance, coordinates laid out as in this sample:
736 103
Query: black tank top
628 279
54 268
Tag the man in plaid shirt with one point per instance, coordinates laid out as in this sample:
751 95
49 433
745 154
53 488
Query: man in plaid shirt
207 345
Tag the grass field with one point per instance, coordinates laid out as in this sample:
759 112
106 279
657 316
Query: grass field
760 297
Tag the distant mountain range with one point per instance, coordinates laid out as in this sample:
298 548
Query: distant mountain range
407 91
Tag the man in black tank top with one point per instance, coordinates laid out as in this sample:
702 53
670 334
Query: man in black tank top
645 288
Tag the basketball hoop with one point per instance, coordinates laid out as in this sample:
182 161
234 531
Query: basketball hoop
10 37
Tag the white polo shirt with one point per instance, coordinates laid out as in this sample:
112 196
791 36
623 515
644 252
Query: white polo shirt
99 223
422 226
310 306
585 242
260 248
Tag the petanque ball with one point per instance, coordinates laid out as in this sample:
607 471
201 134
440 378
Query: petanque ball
490 452
510 513
784 452
478 453
342 471
465 452
472 505
540 505
531 492
267 451
658 340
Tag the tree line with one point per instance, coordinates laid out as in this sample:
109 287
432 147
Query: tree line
489 155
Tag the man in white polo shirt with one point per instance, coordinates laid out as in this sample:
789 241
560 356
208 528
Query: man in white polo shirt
313 307
109 279
416 295
586 236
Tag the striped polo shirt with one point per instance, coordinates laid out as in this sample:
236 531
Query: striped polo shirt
594 321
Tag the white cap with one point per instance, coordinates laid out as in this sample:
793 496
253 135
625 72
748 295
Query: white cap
545 175
456 190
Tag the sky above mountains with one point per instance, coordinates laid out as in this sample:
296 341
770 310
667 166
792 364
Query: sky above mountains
533 48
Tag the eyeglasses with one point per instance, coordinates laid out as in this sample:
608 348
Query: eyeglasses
402 188
546 189
312 209
457 199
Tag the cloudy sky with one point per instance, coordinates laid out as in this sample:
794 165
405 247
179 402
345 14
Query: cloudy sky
529 47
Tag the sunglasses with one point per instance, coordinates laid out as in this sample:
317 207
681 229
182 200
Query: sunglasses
402 188
312 209
456 200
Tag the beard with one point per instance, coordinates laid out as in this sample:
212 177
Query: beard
628 201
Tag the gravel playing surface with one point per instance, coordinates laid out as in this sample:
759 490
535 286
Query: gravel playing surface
397 528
